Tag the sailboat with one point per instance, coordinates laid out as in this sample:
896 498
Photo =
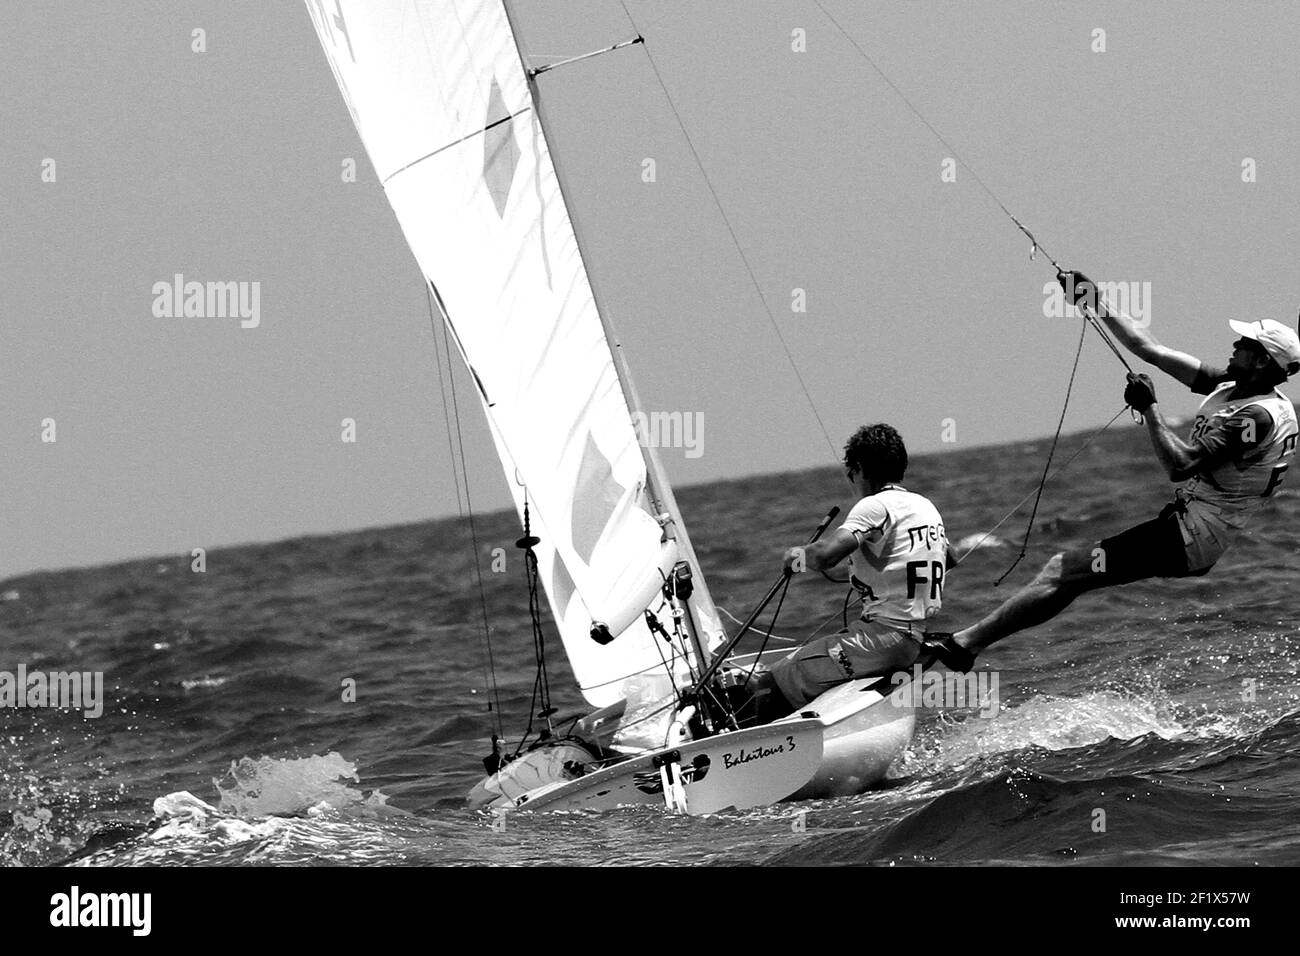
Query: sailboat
452 120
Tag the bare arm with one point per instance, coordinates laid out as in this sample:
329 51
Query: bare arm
1132 334
1235 439
823 554
1180 459
1135 337
1212 446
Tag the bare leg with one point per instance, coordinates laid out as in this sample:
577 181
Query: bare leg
1065 576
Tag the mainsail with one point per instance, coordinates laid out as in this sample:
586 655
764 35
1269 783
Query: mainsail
441 100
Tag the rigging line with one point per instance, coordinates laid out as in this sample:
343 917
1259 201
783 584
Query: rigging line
1007 517
775 637
1096 324
672 642
535 615
763 646
670 703
668 665
1051 452
654 639
489 668
835 454
468 136
547 67
532 709
850 600
661 18
473 531
1036 245
541 682
446 406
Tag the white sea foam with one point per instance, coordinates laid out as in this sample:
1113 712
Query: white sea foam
1060 723
980 541
264 785
198 681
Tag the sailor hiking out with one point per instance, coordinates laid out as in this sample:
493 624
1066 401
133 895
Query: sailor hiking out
1239 448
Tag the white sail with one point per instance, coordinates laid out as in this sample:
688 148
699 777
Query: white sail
439 96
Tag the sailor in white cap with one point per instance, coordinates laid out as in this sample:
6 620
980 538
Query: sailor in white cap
1240 445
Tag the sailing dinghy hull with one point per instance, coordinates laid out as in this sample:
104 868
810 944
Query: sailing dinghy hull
842 743
863 733
747 768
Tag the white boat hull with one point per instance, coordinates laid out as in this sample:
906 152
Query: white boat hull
746 768
863 733
840 744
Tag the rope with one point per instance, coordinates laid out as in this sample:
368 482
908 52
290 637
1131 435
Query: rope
776 637
662 632
1035 246
763 646
541 678
469 505
442 393
1088 314
849 601
1007 517
1051 452
735 239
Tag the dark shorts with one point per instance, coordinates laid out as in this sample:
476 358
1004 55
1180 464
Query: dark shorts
1153 549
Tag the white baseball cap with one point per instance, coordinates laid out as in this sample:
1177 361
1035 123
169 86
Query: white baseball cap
1279 341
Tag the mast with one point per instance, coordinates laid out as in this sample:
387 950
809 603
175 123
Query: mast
658 489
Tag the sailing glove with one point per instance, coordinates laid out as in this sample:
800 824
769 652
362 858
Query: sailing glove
1079 289
1140 392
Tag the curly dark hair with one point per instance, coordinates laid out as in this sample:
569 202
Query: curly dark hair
878 452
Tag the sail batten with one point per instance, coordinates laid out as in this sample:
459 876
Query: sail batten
491 126
441 100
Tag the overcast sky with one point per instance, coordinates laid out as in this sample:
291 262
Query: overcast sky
922 304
